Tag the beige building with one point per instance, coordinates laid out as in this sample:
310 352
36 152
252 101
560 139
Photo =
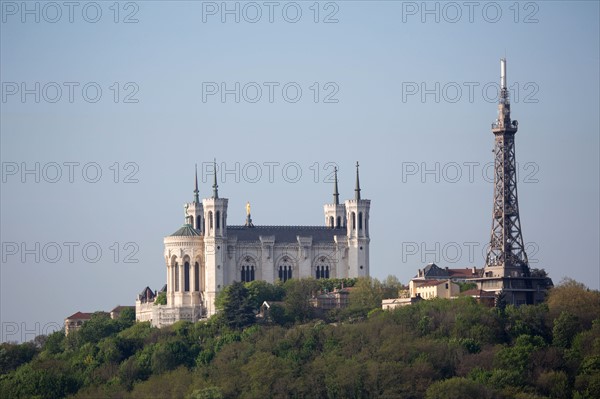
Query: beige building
428 289
393 303
75 321
337 299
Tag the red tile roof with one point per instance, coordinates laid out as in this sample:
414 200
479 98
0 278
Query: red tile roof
80 316
466 272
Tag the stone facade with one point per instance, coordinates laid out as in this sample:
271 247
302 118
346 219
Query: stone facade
428 289
207 254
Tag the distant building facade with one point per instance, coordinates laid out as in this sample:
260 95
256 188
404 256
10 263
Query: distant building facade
75 321
428 289
337 299
207 253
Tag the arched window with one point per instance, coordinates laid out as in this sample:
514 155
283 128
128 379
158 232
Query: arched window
210 220
331 221
196 277
186 276
248 270
353 217
339 222
285 269
248 273
322 269
176 277
198 222
360 221
218 221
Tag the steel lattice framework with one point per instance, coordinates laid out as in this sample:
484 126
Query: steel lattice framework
506 249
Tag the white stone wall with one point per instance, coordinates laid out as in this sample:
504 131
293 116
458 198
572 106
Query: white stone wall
221 257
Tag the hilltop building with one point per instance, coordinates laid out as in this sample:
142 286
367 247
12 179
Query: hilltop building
75 321
206 253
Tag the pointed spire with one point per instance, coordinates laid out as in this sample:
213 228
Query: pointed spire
215 186
336 194
357 189
196 197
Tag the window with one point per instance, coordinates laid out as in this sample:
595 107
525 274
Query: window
353 217
322 272
247 273
186 276
210 220
218 221
176 277
360 220
331 221
285 269
339 222
322 268
198 222
196 277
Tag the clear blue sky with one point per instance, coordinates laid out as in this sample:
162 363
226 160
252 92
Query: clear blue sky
369 61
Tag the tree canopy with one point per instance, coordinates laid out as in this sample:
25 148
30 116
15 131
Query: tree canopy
433 349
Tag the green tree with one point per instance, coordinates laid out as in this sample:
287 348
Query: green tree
46 379
99 326
366 295
456 387
554 384
566 326
260 291
127 317
236 306
161 299
297 295
55 342
574 297
206 393
390 287
13 355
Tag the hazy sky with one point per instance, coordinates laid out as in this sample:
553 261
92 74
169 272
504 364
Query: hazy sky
109 119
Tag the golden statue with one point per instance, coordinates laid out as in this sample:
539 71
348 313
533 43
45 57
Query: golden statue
248 208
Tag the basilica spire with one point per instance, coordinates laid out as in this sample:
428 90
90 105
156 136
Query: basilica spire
215 186
196 197
357 188
336 194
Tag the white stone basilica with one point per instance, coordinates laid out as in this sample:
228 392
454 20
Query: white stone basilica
206 254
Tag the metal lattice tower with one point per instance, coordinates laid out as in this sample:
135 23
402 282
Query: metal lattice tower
506 244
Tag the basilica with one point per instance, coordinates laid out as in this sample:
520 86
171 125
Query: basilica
206 254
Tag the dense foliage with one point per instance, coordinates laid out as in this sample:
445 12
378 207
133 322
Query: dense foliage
432 349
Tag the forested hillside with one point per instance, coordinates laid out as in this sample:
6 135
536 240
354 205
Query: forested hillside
432 349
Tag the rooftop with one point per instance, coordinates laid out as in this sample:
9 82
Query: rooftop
285 233
80 316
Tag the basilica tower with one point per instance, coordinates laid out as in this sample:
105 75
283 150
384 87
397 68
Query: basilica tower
335 213
215 236
357 232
